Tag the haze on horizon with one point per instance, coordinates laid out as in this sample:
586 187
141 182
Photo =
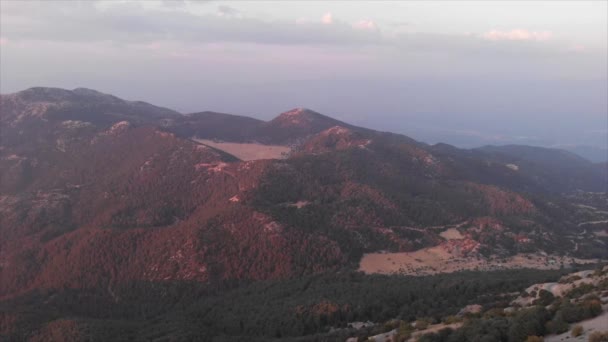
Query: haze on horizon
465 73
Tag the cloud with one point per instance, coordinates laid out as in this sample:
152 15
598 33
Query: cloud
365 25
577 48
124 23
3 41
227 11
137 24
518 34
173 3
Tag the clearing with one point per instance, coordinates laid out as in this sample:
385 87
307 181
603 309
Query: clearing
433 260
248 151
451 234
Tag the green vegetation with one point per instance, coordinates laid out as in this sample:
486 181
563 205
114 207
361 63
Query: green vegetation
308 306
548 315
524 325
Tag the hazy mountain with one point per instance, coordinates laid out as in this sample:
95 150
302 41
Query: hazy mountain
592 153
559 170
287 128
54 104
211 125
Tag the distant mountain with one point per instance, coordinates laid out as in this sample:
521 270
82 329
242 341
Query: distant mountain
547 156
296 124
553 169
98 191
220 126
80 104
592 153
287 128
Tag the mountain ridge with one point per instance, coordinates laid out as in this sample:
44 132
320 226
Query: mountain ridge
86 172
113 200
282 120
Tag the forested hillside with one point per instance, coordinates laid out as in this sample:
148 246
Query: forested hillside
111 216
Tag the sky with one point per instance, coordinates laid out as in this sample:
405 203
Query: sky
467 73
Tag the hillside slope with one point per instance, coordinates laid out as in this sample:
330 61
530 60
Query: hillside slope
99 191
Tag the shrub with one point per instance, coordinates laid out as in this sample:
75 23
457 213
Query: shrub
534 339
570 279
581 290
583 310
452 319
577 331
390 325
544 298
404 332
599 336
530 322
557 325
421 324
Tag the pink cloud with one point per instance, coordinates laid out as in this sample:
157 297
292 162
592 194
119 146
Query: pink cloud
179 54
153 46
3 41
518 34
327 18
577 48
365 25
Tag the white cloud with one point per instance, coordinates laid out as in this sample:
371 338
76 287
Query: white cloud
123 23
227 11
518 34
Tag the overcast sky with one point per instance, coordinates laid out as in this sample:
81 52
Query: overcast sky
463 72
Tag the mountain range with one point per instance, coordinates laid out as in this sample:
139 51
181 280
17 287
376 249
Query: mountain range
96 191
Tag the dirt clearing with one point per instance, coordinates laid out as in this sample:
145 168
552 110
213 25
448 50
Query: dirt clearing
248 151
437 259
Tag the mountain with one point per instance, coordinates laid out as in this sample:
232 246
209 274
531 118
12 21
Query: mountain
296 124
103 194
593 153
81 104
562 170
287 128
216 126
334 139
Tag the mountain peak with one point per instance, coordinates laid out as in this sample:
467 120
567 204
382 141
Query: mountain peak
51 94
89 92
298 111
44 94
297 116
304 117
80 104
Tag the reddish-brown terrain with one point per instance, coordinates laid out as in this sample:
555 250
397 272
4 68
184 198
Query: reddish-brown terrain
97 191
95 188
